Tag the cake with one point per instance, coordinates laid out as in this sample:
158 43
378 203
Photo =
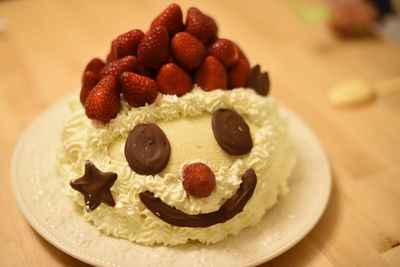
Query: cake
174 137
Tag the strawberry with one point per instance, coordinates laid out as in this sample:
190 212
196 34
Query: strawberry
118 66
198 180
187 50
200 25
171 18
171 60
225 51
211 74
173 80
238 73
95 65
111 56
142 70
126 44
153 49
103 102
137 89
89 80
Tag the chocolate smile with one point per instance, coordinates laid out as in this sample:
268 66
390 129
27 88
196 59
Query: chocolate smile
228 210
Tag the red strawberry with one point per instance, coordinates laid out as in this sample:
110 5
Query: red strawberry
95 65
89 80
198 180
238 74
127 43
103 102
171 60
225 51
211 74
142 70
187 50
138 90
200 25
118 66
173 80
111 56
153 50
171 18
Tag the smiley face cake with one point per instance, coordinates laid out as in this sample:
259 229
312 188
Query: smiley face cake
174 137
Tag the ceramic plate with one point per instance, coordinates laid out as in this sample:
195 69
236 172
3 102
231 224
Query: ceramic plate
53 215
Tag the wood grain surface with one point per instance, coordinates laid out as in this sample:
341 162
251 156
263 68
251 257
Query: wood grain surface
46 45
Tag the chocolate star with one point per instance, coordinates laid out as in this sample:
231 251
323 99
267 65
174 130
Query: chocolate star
258 80
95 186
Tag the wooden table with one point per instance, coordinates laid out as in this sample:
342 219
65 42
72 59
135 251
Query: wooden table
47 43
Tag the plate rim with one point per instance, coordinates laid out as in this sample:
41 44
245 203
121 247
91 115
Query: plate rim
324 204
59 244
313 221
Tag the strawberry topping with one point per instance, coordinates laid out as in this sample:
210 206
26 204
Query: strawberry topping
173 80
118 66
126 44
211 75
171 18
153 50
225 51
200 25
89 80
95 65
103 102
169 58
138 90
238 73
187 50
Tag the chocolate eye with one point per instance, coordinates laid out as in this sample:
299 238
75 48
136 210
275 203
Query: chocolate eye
147 149
231 132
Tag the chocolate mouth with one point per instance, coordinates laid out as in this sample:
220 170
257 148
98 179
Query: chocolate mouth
228 210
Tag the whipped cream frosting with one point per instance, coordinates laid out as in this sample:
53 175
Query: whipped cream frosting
271 158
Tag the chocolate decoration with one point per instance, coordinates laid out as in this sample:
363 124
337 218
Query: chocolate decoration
147 149
259 81
95 186
227 211
231 132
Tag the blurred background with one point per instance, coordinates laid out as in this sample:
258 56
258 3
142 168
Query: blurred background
310 49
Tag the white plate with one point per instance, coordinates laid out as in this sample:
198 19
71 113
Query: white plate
53 215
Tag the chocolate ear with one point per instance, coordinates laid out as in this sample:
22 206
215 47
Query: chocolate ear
259 81
231 132
147 149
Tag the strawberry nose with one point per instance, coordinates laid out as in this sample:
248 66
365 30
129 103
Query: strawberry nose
198 180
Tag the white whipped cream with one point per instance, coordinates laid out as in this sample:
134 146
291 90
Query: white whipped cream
271 158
